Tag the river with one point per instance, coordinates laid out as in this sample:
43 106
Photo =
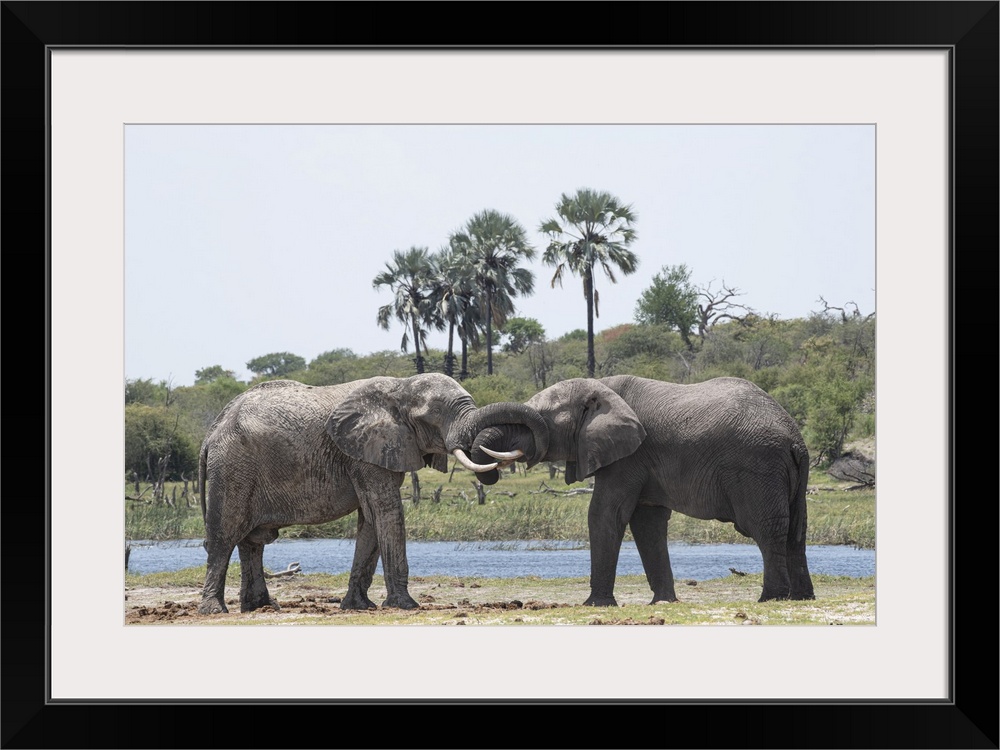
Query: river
513 559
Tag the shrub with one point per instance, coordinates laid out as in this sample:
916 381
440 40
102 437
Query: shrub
491 389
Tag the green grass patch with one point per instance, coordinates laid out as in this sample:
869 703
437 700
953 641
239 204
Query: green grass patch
159 521
528 506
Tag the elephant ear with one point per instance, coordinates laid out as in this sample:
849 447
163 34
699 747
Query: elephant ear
437 461
370 426
570 473
609 430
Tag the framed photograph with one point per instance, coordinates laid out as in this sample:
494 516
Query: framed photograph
922 75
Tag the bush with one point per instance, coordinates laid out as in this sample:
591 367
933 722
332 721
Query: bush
151 434
648 340
795 400
491 389
832 406
577 334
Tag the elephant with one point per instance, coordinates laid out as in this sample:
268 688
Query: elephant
284 453
722 449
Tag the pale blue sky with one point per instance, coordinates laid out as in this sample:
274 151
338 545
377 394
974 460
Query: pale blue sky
241 240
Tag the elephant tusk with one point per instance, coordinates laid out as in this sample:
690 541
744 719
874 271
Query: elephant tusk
502 456
468 464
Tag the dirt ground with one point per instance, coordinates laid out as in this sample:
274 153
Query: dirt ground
298 597
453 601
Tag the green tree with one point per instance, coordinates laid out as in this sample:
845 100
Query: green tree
334 356
199 405
155 447
594 229
577 334
834 401
526 335
209 374
332 367
145 391
410 277
843 386
494 244
670 300
276 364
522 333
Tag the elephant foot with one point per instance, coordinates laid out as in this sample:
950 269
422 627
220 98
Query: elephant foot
801 587
212 607
356 600
251 606
768 596
401 601
600 601
664 598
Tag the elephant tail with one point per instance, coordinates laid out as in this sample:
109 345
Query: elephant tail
202 479
797 509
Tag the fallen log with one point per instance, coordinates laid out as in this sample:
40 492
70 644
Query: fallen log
544 489
291 570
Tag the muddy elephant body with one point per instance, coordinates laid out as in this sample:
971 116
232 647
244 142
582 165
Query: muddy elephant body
283 453
722 449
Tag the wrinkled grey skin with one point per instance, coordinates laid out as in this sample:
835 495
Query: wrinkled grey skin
284 453
722 449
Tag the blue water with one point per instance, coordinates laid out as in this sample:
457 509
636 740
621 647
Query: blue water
545 559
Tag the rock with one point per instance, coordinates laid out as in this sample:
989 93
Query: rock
853 466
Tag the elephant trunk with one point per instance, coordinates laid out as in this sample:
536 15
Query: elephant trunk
506 413
498 440
464 431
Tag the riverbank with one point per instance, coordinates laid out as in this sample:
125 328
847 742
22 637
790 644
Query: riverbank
314 599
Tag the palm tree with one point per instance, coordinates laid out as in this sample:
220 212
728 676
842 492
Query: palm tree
494 244
453 297
409 277
470 326
594 228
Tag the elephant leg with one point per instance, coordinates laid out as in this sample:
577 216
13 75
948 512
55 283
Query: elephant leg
649 529
383 506
760 511
771 536
801 586
219 547
253 586
611 505
213 598
800 582
776 583
363 567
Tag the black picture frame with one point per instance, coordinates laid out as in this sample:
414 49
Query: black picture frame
969 30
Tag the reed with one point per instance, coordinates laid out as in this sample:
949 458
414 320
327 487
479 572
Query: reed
528 506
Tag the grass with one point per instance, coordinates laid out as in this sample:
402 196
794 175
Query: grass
520 507
159 521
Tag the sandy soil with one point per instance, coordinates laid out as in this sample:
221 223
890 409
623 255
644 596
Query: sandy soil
443 600
298 596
